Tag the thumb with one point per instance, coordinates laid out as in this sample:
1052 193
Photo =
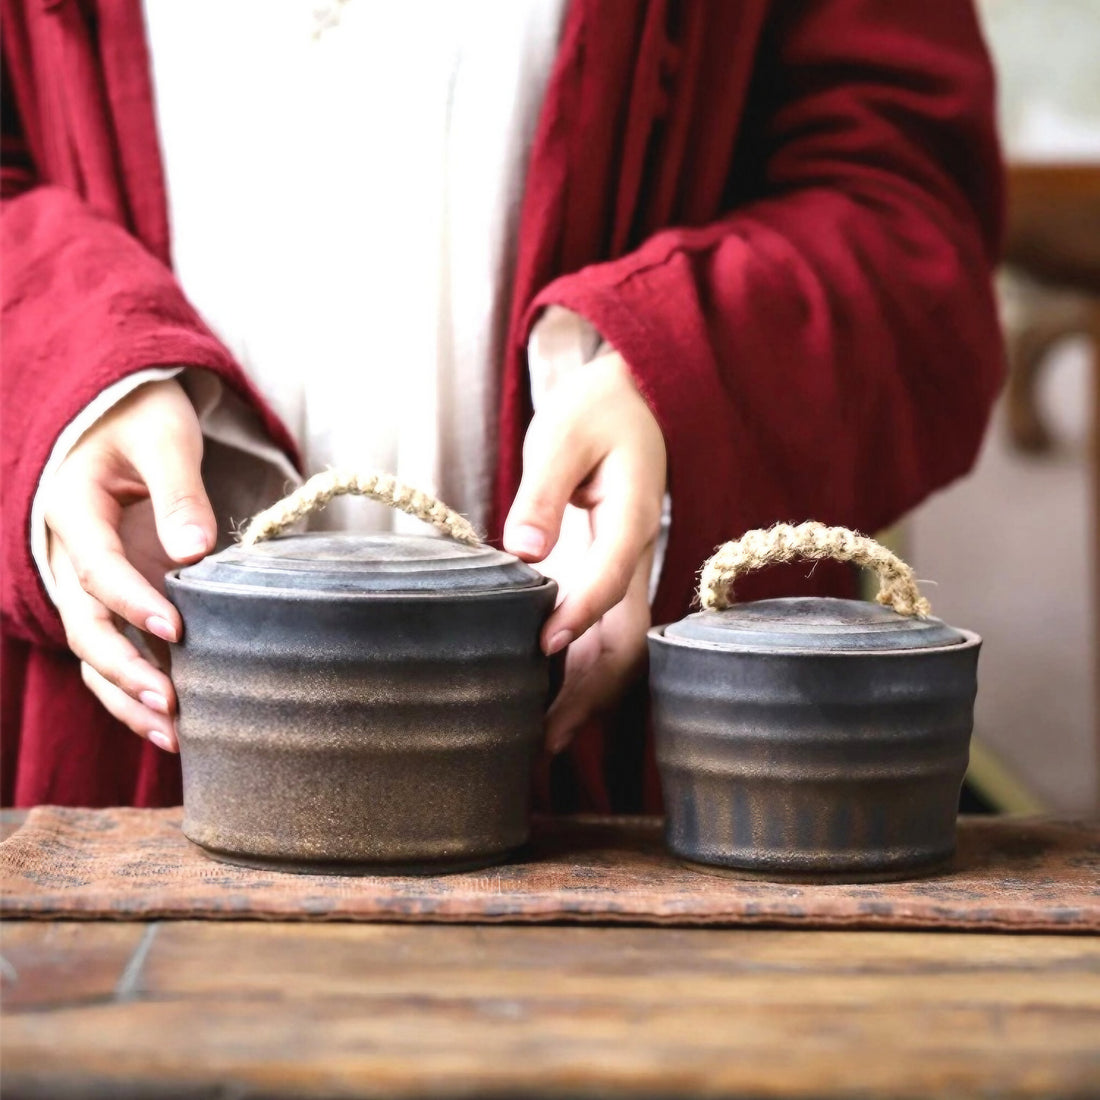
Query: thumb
553 467
171 466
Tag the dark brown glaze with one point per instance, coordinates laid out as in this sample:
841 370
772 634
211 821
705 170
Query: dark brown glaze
797 758
342 727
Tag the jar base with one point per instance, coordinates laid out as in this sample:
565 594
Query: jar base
938 866
362 869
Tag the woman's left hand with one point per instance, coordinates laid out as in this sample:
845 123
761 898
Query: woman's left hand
595 444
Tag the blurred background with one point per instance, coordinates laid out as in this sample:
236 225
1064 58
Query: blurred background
1014 549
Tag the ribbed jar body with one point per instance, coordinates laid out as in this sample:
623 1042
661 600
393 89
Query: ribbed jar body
813 765
365 732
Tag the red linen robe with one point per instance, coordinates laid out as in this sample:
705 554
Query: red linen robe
783 215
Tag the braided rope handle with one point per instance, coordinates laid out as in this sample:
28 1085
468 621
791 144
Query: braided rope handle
812 541
321 488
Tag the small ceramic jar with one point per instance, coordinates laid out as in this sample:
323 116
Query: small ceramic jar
812 739
359 704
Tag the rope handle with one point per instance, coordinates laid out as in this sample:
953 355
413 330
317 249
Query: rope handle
321 488
813 541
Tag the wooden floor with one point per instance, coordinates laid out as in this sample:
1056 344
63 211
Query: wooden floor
234 1010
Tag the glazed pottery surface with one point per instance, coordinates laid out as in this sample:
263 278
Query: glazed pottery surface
360 704
812 738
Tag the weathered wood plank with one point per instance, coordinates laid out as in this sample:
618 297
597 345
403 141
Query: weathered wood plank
351 1010
337 1049
65 964
555 950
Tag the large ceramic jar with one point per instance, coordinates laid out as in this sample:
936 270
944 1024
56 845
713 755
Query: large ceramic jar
359 703
812 738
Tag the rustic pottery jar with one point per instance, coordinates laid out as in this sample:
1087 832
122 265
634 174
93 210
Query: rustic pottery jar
359 704
812 739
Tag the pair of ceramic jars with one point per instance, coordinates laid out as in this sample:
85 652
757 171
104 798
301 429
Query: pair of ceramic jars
374 704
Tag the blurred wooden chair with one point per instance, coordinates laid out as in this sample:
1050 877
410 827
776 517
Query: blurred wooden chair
1052 286
1052 291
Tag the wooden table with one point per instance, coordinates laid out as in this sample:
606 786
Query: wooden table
194 1009
205 1009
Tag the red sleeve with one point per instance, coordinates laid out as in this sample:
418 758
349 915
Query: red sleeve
830 350
83 305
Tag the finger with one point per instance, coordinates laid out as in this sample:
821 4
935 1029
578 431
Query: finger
626 521
92 548
599 668
171 466
576 699
143 721
555 462
94 638
593 692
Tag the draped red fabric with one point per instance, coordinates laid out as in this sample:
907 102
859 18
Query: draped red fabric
783 216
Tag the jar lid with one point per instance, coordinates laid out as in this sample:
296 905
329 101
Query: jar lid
818 624
349 563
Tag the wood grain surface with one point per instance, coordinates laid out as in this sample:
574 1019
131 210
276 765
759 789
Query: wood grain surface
1053 224
194 1009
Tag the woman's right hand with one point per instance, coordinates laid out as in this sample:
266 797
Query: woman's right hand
125 506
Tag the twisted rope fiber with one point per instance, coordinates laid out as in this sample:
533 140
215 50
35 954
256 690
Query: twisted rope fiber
813 541
321 488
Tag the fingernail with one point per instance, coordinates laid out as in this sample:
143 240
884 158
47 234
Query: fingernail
161 627
154 701
526 539
188 541
558 642
161 740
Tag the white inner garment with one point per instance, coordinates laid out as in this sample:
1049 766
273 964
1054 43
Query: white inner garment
344 187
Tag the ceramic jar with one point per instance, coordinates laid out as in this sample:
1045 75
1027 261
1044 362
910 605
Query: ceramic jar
812 738
359 704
